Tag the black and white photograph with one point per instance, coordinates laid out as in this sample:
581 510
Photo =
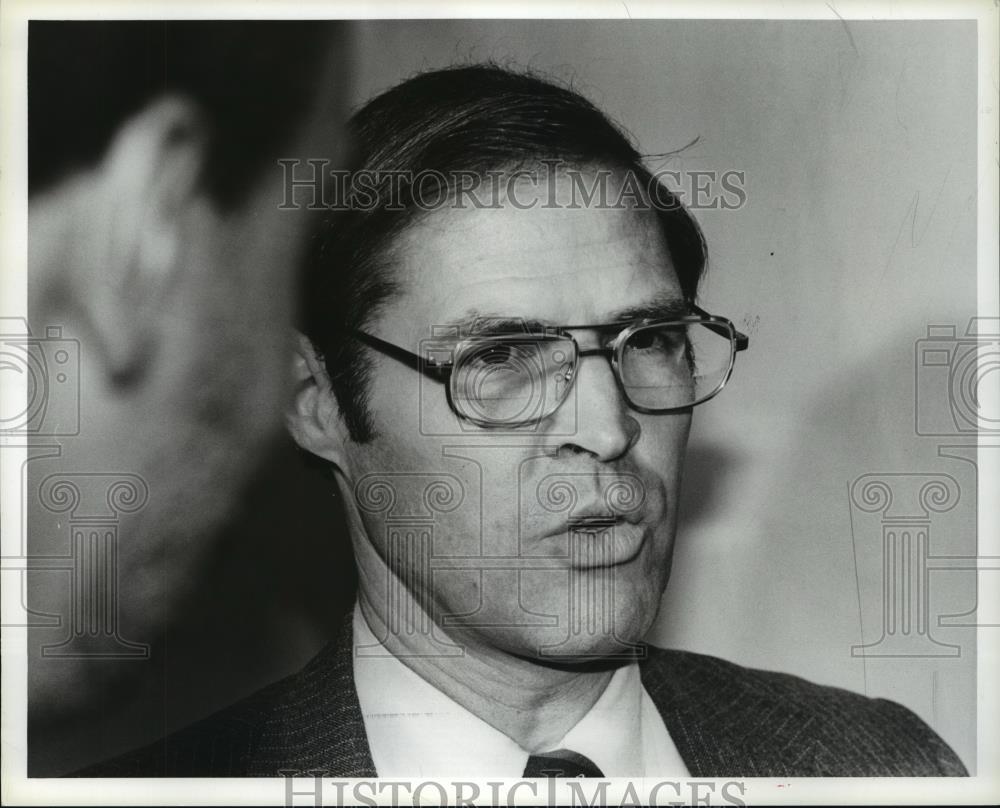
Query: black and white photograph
597 407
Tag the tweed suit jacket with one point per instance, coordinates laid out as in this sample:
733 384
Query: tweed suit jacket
726 721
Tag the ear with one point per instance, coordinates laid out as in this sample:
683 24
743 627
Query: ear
314 419
143 191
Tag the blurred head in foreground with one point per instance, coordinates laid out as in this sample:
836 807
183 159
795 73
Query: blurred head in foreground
157 244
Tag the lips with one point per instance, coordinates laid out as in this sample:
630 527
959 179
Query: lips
592 520
594 538
599 517
595 522
598 543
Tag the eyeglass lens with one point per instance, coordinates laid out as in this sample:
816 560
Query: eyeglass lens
510 380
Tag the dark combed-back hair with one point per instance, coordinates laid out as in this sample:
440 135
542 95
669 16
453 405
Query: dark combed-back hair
252 80
476 118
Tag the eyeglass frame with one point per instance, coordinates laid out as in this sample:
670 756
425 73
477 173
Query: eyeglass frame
441 371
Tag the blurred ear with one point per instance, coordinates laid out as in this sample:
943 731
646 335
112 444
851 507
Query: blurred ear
314 419
131 224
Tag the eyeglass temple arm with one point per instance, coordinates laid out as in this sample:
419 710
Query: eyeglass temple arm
408 358
742 340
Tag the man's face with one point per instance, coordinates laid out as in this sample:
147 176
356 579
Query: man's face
489 528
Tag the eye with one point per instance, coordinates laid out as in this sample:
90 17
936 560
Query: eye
492 353
644 340
665 340
664 344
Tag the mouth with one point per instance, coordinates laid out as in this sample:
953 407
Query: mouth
595 523
597 542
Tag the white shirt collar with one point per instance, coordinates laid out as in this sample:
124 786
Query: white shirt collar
415 730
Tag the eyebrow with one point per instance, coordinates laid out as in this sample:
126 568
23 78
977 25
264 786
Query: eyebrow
660 308
663 307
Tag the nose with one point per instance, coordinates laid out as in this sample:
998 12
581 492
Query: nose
596 419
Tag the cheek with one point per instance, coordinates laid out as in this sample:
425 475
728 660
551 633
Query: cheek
662 445
395 397
411 405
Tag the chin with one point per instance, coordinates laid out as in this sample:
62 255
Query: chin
586 636
610 649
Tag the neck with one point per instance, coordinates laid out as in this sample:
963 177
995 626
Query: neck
532 703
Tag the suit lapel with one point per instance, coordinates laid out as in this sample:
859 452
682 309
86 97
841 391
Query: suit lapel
316 725
720 727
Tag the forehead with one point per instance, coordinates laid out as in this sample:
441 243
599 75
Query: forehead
550 264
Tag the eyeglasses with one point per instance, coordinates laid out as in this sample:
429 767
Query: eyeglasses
519 377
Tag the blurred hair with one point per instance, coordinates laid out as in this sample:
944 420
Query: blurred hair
252 81
474 118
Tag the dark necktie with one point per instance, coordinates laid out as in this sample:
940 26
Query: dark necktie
561 763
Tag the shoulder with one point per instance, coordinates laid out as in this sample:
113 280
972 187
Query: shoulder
221 745
777 724
308 720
